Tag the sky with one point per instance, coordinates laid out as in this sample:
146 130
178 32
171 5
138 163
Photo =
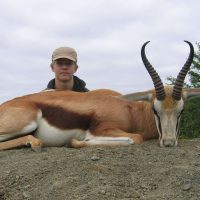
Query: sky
107 35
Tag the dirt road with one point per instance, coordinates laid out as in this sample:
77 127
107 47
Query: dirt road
136 172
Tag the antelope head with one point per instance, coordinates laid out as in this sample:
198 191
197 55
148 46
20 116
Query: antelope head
167 101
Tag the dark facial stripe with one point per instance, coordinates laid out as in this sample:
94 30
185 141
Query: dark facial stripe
177 126
158 117
159 124
178 121
64 119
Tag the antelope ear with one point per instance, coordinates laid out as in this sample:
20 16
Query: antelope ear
189 93
138 96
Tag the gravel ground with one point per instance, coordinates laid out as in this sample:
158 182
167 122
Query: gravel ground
136 172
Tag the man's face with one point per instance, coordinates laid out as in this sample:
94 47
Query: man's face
64 69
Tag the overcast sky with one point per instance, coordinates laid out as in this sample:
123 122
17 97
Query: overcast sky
107 34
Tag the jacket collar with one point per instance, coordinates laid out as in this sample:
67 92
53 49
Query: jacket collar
79 84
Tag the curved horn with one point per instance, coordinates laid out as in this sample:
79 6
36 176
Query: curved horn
177 91
159 88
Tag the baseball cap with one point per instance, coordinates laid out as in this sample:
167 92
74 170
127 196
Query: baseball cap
64 52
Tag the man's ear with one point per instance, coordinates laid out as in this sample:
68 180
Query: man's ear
51 65
76 67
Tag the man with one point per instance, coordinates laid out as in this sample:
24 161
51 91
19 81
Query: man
64 65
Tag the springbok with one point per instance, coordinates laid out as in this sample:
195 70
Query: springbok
99 117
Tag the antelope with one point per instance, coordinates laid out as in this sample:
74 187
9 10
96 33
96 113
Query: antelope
99 117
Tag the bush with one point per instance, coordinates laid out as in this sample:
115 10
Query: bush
190 121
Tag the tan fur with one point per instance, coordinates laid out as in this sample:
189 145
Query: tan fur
15 115
110 116
22 141
104 113
169 102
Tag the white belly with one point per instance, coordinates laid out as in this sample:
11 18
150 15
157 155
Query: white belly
52 136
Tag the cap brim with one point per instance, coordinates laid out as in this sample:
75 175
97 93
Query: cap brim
68 57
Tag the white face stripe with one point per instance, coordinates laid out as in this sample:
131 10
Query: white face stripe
167 121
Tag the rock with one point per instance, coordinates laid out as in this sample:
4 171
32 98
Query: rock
95 158
187 185
57 185
103 192
26 195
7 172
27 186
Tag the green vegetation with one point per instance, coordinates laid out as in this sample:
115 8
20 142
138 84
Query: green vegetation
190 121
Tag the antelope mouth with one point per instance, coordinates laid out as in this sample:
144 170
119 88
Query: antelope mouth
168 143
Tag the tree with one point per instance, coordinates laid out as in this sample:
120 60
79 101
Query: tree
194 72
190 121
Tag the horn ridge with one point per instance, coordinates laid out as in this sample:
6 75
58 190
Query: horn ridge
178 86
158 85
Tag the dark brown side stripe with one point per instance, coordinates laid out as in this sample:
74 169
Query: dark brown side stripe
64 119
